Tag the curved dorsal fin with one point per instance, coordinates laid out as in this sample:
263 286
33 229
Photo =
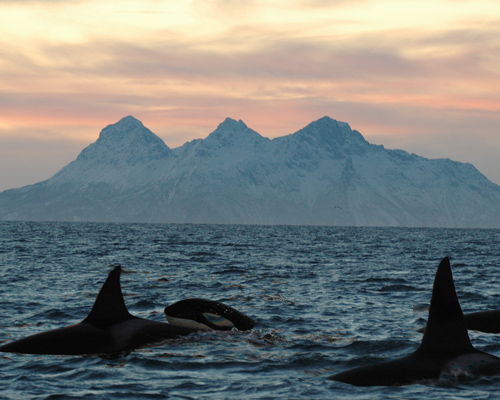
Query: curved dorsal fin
109 307
446 332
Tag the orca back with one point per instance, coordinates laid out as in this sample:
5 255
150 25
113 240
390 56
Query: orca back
484 321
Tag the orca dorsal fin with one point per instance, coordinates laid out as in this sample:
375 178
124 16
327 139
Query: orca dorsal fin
446 332
109 307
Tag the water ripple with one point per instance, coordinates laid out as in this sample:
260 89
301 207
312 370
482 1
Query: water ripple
324 298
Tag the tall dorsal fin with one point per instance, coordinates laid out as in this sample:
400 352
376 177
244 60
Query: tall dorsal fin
446 332
109 307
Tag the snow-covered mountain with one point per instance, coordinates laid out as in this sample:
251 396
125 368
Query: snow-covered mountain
324 174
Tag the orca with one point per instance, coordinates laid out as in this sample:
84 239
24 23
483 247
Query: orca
207 315
109 328
481 321
445 349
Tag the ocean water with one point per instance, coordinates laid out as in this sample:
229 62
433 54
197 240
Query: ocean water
325 299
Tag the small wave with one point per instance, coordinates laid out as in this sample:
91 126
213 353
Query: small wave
419 308
398 288
143 305
232 270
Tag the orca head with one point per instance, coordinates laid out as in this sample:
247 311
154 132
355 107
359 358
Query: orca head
109 307
206 315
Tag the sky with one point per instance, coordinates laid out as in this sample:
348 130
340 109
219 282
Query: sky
422 76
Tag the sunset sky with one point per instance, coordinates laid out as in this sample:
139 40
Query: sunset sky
422 76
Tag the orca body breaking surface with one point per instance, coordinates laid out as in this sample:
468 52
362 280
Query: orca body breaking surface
481 321
445 348
206 315
109 328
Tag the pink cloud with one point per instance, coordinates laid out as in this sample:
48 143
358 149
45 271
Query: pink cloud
390 85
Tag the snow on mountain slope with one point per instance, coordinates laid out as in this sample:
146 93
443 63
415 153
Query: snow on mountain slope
128 142
126 153
326 173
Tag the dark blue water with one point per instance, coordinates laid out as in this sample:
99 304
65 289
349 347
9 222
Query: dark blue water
325 299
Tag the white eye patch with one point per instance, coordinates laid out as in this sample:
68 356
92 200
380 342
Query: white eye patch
218 320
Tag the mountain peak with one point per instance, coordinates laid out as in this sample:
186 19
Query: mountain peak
232 132
127 126
332 134
231 127
232 123
129 120
127 140
328 127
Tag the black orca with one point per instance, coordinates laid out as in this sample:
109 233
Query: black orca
445 349
482 321
207 314
108 329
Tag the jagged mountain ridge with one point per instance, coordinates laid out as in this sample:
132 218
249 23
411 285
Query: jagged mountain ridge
326 173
